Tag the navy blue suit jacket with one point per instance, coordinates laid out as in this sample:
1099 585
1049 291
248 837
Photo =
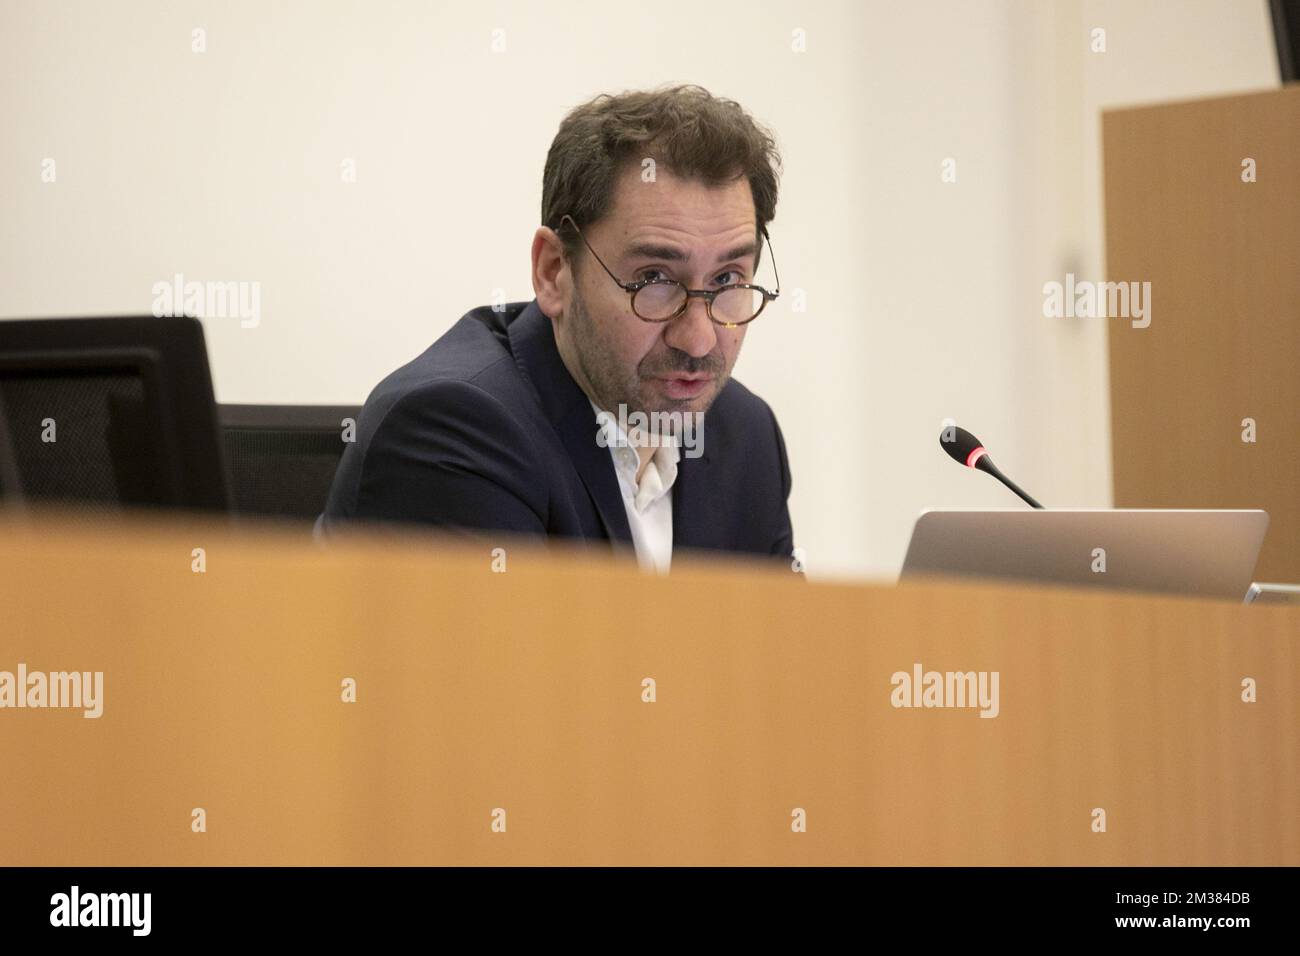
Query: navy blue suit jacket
488 431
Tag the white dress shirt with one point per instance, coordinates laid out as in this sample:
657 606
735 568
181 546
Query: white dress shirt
649 502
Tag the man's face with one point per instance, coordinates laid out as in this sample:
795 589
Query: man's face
704 237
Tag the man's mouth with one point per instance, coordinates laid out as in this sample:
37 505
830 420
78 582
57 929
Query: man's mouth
685 386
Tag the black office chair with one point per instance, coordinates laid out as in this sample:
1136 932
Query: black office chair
102 414
283 457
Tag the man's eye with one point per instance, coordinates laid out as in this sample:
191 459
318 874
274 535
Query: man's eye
652 274
721 279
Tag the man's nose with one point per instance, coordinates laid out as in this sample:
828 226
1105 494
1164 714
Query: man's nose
693 331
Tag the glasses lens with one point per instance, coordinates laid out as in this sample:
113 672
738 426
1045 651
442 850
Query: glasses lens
737 305
659 300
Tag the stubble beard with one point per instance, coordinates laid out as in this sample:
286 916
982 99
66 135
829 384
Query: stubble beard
600 368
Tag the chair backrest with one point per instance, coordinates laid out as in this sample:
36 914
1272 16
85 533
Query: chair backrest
102 413
283 457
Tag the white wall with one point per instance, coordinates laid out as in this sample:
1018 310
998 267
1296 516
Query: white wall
923 298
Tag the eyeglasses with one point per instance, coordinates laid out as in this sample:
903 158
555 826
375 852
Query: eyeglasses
661 300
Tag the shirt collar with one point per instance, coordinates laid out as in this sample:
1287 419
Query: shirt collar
660 471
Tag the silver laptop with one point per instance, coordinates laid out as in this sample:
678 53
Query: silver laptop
1262 592
1204 553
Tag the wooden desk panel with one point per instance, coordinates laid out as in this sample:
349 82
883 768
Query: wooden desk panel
522 690
1223 260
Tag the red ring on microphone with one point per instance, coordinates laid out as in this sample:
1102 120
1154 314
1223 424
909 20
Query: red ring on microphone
974 456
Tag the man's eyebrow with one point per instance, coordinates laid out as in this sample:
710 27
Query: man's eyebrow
649 250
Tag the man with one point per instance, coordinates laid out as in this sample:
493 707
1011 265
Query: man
581 414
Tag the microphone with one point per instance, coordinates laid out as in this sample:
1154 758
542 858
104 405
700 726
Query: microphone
969 451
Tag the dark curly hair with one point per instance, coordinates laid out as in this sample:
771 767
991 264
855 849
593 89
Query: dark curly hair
684 129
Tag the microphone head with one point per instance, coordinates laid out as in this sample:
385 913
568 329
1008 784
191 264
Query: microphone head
962 446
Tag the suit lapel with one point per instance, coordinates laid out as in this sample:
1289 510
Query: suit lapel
577 431
532 340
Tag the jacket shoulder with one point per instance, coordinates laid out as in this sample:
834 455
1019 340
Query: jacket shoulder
475 351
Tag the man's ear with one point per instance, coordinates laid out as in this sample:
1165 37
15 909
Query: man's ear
552 280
